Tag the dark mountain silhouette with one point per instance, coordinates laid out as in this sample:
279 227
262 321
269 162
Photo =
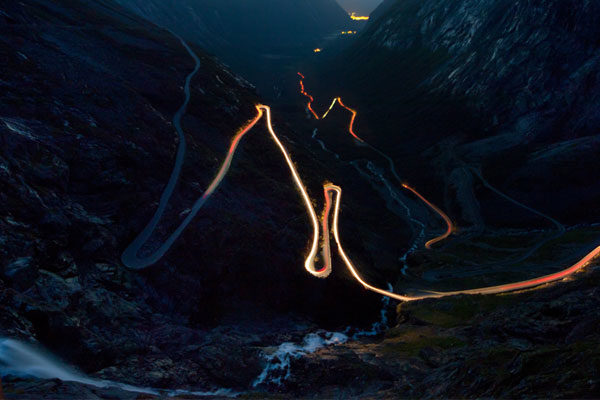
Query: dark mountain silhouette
257 38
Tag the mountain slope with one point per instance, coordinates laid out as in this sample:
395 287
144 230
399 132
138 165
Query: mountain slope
253 37
88 94
511 87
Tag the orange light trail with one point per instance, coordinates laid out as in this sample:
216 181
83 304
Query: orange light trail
335 100
432 294
331 188
130 258
310 98
232 148
351 126
326 248
442 214
351 131
309 263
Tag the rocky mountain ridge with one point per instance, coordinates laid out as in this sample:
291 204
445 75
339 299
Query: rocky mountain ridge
258 39
510 88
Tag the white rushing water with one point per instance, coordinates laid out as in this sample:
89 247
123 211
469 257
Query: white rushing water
379 326
27 361
278 367
24 360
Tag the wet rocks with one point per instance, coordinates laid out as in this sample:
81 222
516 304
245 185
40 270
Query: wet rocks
535 343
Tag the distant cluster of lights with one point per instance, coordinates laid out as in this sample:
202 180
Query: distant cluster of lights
317 50
348 32
358 17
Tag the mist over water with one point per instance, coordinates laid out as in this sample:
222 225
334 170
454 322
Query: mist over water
27 361
24 360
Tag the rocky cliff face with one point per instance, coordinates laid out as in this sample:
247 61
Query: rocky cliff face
541 343
511 87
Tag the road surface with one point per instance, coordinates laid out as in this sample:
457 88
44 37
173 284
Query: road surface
130 256
449 224
333 195
331 190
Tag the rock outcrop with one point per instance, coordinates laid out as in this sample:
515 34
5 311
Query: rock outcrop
509 87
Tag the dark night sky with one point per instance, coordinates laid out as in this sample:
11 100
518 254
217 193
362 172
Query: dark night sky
360 6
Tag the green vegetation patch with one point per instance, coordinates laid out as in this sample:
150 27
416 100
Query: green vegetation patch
409 342
453 311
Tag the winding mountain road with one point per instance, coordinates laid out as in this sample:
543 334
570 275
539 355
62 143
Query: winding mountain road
449 224
560 228
332 195
338 100
130 256
330 189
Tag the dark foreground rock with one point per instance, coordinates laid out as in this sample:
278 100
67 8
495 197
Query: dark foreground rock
541 343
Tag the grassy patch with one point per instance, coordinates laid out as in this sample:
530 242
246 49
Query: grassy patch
454 311
509 241
411 342
553 249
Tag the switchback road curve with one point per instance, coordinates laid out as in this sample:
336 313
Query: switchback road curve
449 224
130 256
331 190
332 195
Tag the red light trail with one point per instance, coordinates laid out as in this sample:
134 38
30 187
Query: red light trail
310 98
437 210
331 188
130 257
445 217
351 126
335 100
